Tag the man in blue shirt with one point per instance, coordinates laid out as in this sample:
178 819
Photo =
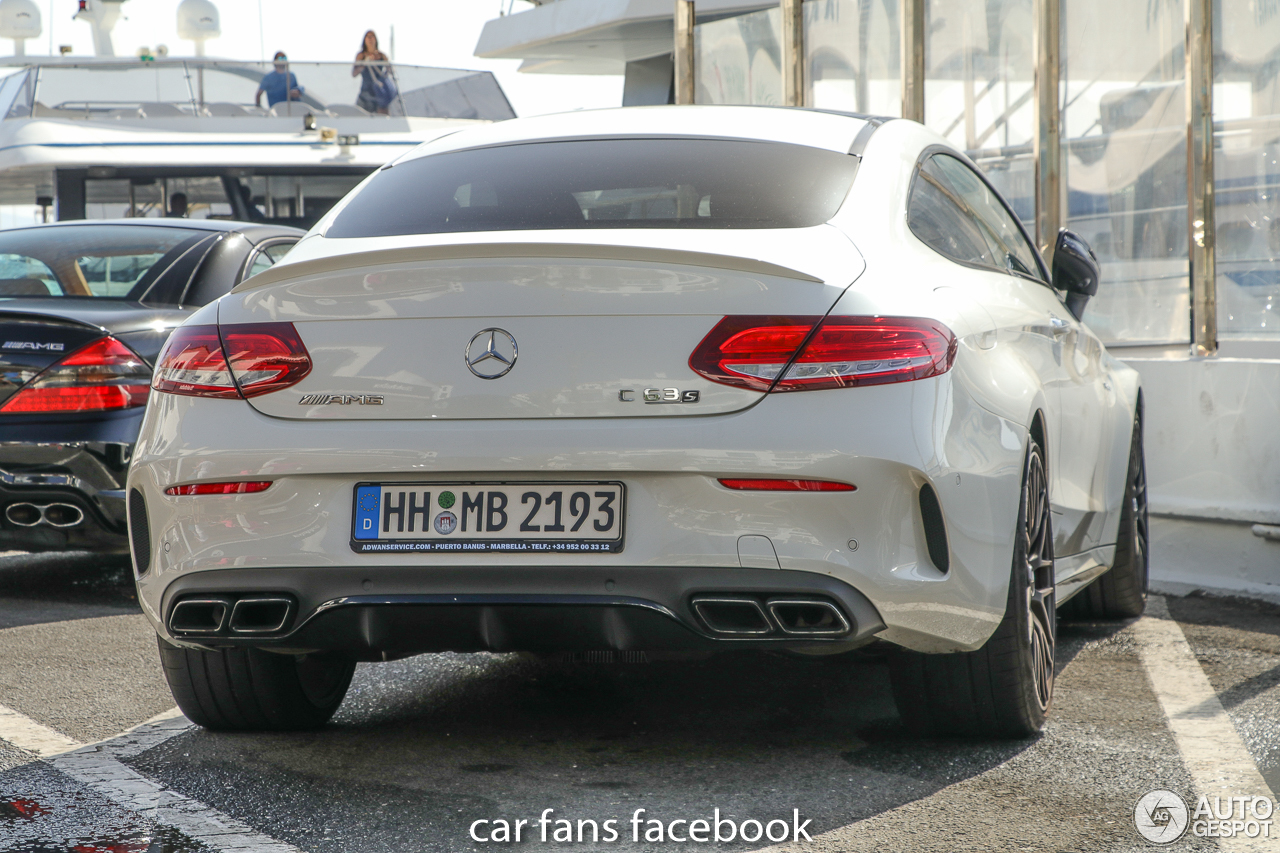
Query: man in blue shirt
279 85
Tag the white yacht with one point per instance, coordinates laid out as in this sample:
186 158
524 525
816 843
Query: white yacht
106 136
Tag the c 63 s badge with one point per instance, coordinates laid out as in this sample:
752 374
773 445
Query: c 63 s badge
341 399
660 395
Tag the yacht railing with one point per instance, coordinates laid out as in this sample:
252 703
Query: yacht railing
200 88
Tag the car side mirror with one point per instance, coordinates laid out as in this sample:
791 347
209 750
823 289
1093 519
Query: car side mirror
1075 271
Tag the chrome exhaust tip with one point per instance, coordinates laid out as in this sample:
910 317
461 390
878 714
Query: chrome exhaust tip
260 615
63 515
54 515
24 514
205 615
731 616
808 617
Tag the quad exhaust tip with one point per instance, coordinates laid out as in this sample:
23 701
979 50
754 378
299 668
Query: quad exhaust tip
59 515
745 617
206 615
808 617
733 616
260 615
220 614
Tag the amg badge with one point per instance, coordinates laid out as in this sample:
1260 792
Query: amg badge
33 345
341 399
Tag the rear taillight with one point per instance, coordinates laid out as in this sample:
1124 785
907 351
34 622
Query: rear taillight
192 363
99 376
265 357
760 352
240 360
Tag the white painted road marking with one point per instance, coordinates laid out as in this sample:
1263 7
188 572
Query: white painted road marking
1211 748
25 733
98 766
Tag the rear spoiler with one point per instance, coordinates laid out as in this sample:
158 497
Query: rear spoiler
465 251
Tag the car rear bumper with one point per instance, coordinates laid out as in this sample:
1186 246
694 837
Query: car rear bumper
62 494
891 441
395 612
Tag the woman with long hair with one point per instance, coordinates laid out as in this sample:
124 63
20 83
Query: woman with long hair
378 88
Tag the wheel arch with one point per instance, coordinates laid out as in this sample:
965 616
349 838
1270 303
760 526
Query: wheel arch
1039 432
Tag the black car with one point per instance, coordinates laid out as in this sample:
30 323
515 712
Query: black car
84 309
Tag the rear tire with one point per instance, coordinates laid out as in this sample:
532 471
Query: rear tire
1005 688
253 690
1121 593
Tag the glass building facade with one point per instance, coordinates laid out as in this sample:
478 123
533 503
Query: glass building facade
1123 102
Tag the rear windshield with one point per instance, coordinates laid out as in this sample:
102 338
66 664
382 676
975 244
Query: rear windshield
102 261
599 183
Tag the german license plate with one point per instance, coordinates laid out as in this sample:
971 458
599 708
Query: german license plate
550 517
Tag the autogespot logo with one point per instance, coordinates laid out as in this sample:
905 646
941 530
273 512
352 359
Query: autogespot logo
1161 817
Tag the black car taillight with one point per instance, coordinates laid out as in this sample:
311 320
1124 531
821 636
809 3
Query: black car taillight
101 375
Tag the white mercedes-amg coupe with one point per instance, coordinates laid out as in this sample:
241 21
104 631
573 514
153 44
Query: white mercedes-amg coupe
640 382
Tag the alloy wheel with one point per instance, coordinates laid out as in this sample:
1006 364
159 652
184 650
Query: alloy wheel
1138 512
1041 615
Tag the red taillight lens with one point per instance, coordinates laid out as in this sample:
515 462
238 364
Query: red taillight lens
100 376
774 485
191 363
265 357
220 488
750 351
754 352
245 359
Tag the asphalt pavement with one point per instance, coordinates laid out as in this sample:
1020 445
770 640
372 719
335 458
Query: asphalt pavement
424 748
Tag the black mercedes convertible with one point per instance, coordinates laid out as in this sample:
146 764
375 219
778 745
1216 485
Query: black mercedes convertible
84 308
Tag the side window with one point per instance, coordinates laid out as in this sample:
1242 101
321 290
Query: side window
1011 249
993 238
936 214
266 257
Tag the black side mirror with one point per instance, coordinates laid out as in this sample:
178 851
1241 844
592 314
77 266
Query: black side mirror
1075 271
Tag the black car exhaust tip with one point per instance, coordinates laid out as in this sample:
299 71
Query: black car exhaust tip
261 614
54 515
203 615
732 616
811 617
63 515
24 514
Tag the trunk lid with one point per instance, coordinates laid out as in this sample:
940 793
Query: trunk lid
566 329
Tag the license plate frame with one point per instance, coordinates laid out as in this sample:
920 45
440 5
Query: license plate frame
515 506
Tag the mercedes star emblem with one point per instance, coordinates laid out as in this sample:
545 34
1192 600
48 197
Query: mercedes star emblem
496 358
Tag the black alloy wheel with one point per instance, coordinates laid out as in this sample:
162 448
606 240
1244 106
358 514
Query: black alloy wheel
1040 597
